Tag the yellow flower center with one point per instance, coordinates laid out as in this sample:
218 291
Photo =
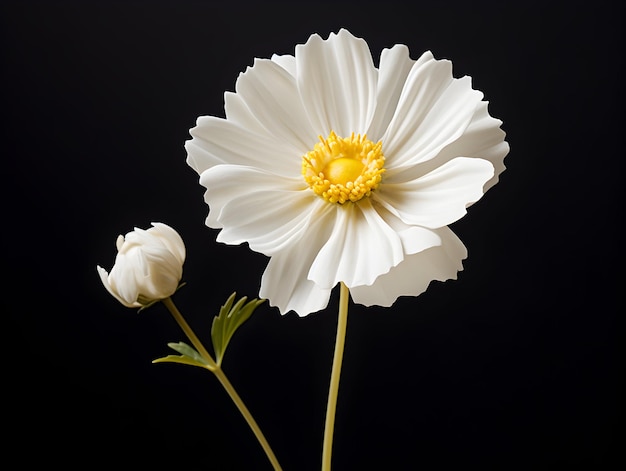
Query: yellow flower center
341 169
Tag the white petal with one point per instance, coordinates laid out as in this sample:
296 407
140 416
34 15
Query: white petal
218 141
271 94
267 211
424 85
124 276
395 65
434 110
119 242
284 282
104 277
413 275
287 62
482 139
135 238
360 248
238 112
414 238
441 196
171 239
337 82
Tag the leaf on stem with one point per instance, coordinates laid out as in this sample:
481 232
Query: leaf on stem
189 356
232 315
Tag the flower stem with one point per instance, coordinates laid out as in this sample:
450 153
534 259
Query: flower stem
169 304
246 414
219 373
334 378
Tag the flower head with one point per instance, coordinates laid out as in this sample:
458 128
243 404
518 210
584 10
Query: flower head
341 171
148 266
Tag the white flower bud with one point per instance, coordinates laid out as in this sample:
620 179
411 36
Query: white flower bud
148 266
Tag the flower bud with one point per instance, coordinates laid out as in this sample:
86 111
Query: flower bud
148 266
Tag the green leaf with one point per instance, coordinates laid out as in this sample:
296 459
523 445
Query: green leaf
232 315
183 348
180 359
189 356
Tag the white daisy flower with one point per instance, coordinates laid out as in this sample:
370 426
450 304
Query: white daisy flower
341 171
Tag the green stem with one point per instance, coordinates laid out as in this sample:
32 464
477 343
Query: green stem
329 427
246 414
219 373
169 304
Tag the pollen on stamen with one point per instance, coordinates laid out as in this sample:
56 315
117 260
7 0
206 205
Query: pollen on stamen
344 169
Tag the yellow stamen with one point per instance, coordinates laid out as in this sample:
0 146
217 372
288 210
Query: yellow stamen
344 169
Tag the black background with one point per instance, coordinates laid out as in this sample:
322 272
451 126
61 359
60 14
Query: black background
514 365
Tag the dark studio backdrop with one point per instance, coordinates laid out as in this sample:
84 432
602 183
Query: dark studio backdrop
514 365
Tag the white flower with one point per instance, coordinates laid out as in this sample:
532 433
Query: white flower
343 172
148 266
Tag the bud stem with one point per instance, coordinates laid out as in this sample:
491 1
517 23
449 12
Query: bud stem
169 304
246 414
217 371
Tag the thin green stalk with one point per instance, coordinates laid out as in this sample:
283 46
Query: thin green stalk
248 416
329 427
219 373
169 304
